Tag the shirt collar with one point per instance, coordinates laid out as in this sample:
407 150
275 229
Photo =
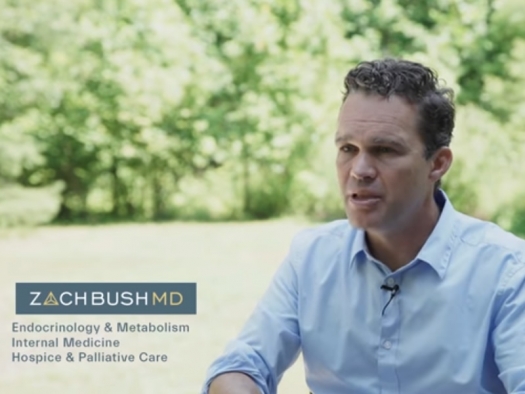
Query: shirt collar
358 244
437 249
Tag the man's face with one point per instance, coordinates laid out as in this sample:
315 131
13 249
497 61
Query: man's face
383 175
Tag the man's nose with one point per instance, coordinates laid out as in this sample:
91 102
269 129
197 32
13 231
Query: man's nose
363 167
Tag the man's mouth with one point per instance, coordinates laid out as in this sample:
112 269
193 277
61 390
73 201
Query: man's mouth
364 200
364 196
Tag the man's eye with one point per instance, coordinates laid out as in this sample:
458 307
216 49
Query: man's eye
384 149
347 148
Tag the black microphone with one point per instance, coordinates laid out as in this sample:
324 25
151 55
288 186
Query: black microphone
393 291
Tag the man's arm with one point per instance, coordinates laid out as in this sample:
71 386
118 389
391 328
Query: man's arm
233 383
509 332
269 342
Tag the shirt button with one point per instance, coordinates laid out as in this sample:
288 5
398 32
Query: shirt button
387 345
390 282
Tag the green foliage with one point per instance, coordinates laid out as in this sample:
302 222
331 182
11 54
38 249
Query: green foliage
517 224
165 109
512 215
21 207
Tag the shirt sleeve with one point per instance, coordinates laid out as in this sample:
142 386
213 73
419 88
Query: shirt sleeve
509 332
269 342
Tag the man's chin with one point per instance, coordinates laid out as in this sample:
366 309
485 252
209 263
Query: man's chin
357 215
362 224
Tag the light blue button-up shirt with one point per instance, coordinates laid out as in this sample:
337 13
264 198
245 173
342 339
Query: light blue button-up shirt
456 326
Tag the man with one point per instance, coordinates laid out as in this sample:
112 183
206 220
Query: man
408 296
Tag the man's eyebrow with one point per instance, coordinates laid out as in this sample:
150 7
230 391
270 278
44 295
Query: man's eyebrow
376 140
388 141
340 138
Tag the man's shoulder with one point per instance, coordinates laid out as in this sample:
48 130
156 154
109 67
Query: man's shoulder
482 233
335 230
325 239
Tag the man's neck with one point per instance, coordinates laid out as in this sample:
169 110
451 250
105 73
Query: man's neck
398 248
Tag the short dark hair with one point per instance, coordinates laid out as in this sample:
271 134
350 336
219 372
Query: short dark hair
415 83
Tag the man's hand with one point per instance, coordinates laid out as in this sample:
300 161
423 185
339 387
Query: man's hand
233 383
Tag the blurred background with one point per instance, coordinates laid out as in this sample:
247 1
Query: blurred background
200 134
225 110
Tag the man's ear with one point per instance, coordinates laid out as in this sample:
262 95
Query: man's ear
441 161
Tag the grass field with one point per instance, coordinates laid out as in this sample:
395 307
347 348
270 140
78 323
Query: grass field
231 263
